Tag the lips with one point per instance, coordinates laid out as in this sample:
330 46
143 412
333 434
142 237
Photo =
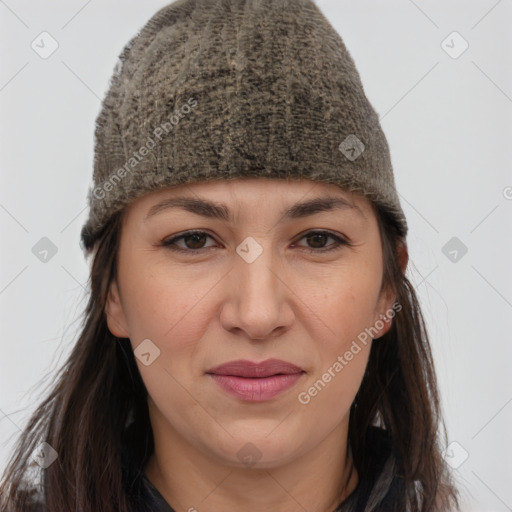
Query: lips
256 382
249 369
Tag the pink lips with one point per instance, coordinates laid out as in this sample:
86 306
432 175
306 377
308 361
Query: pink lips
256 382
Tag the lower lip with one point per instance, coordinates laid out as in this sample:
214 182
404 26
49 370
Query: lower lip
258 389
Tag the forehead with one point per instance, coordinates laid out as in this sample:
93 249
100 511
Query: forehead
254 193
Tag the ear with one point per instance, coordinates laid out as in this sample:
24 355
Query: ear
116 319
403 255
385 312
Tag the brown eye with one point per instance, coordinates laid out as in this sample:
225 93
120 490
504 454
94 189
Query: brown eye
317 240
194 241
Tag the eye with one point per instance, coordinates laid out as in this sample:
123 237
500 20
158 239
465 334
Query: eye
194 241
319 237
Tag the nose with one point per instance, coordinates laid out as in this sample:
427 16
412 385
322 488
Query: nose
258 300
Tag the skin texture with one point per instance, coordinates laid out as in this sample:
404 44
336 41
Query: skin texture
211 306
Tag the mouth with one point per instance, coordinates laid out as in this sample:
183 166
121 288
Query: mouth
256 382
249 369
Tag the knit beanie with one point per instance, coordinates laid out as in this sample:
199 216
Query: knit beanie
227 89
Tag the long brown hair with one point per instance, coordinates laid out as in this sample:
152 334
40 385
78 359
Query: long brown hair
96 416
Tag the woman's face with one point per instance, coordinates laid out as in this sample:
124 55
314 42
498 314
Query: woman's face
265 278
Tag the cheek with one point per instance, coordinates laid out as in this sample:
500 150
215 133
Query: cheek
343 360
172 314
155 301
347 308
343 341
169 309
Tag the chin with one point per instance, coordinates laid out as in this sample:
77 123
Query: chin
259 451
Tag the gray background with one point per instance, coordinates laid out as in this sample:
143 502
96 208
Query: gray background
448 122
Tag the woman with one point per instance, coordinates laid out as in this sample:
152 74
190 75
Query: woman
251 340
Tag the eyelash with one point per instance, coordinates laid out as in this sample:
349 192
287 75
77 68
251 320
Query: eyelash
340 242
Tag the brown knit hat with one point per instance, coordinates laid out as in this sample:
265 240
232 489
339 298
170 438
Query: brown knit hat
225 89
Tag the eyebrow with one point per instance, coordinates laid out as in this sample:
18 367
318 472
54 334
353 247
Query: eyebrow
220 211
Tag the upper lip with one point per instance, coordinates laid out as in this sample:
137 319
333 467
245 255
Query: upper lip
244 368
